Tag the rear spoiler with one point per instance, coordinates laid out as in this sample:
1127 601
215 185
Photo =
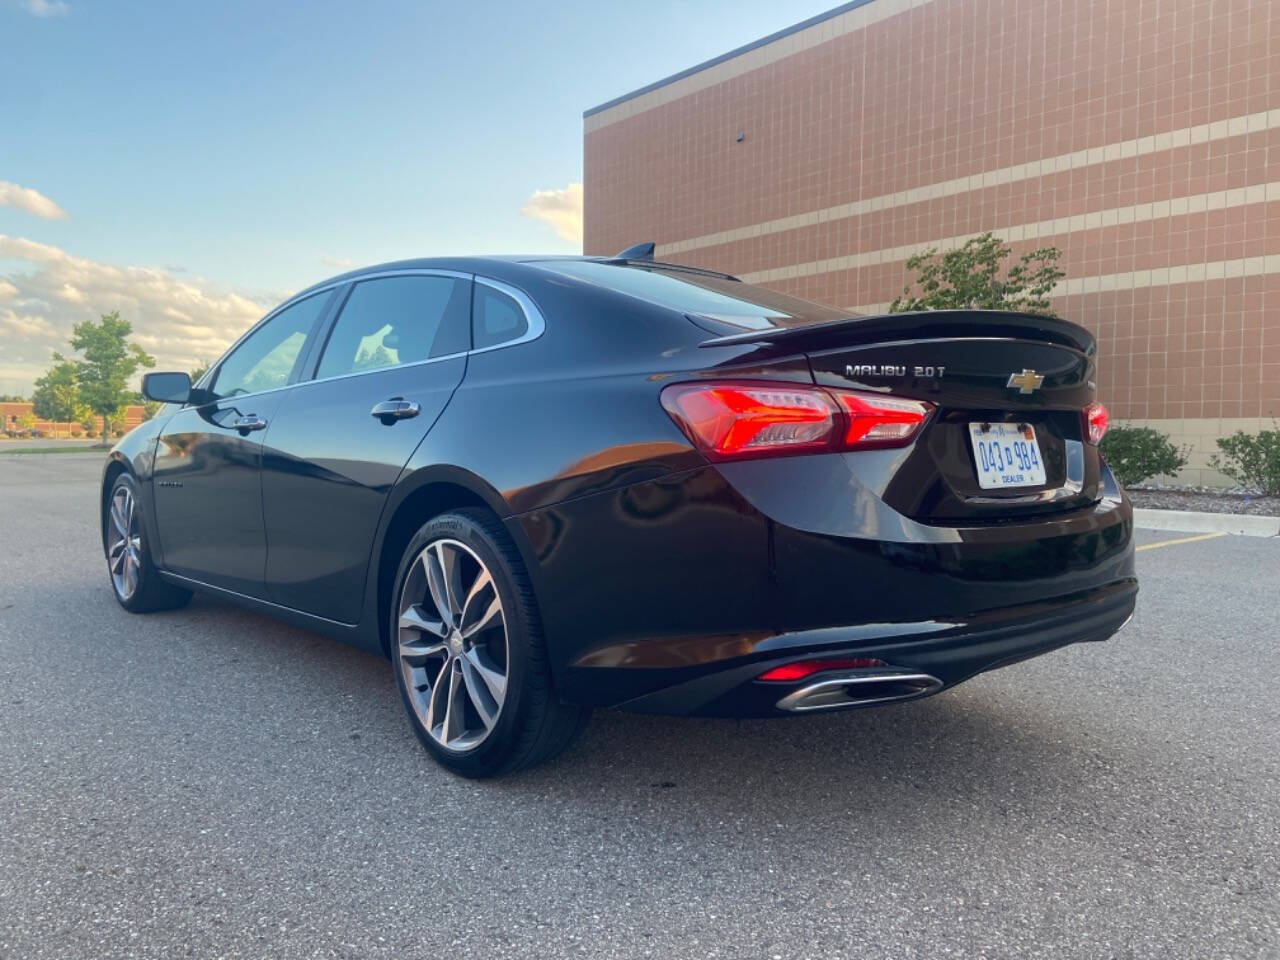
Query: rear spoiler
916 325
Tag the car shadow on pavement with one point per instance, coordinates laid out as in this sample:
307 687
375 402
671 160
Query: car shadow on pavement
986 744
955 748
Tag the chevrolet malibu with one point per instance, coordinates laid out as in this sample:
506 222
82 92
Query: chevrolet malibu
543 485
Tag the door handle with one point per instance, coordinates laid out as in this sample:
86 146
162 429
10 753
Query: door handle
250 421
397 408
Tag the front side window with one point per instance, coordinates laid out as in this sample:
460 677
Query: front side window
266 358
497 318
395 320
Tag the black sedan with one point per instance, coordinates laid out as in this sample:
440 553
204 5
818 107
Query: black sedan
540 485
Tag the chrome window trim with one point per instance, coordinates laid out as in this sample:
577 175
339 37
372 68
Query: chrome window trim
392 366
533 318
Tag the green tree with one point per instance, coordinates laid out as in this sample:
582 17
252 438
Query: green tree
26 422
116 422
970 277
84 417
57 393
201 369
149 407
109 360
373 360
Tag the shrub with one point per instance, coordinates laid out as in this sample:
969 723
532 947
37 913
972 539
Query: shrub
1251 460
1137 453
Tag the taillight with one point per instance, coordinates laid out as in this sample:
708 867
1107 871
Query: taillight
791 672
728 420
738 420
1096 421
875 421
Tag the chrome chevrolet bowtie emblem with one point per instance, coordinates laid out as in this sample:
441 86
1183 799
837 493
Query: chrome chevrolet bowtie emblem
1028 381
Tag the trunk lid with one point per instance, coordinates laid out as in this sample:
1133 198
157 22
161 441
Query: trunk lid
975 367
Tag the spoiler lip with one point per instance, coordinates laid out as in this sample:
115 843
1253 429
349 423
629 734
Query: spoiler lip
1080 338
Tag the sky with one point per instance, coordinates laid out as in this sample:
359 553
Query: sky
190 164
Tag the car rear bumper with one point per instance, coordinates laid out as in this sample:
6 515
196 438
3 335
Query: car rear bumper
951 652
673 595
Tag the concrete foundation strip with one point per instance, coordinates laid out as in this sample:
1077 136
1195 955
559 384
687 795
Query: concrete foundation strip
1190 521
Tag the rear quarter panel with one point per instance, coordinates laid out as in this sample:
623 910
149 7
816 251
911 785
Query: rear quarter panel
575 417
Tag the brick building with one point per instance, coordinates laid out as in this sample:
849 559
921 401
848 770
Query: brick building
1140 137
13 414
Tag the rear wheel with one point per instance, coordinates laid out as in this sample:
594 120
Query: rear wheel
134 579
467 649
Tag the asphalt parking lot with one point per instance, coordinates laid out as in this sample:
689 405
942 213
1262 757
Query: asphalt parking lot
211 783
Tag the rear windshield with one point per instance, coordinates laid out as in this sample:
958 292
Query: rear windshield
735 305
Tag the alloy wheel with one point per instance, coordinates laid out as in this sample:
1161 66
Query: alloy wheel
124 543
452 640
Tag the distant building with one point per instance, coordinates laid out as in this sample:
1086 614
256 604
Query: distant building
12 414
1134 136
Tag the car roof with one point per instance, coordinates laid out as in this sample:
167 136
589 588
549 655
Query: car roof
500 266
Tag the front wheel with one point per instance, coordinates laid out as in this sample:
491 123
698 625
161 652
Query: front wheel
468 653
134 579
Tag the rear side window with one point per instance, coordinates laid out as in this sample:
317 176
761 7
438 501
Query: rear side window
496 318
396 320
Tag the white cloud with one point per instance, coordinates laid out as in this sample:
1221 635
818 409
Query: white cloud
70 294
46 291
562 209
32 201
23 324
46 8
339 263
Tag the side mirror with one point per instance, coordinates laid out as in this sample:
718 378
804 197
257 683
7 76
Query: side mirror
166 387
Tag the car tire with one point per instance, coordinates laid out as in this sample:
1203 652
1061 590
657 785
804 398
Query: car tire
478 693
135 582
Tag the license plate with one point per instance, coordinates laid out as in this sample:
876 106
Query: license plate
1006 455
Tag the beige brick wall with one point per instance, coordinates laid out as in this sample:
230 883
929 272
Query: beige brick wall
1199 435
1140 137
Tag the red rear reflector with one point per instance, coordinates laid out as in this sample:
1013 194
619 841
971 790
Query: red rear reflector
737 420
1096 421
790 672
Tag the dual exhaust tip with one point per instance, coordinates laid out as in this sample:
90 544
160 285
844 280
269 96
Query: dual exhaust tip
859 688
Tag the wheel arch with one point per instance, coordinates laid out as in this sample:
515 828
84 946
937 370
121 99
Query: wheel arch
417 498
116 465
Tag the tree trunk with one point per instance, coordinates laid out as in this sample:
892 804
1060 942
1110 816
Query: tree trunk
106 441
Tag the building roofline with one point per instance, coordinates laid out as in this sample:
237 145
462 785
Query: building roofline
739 51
